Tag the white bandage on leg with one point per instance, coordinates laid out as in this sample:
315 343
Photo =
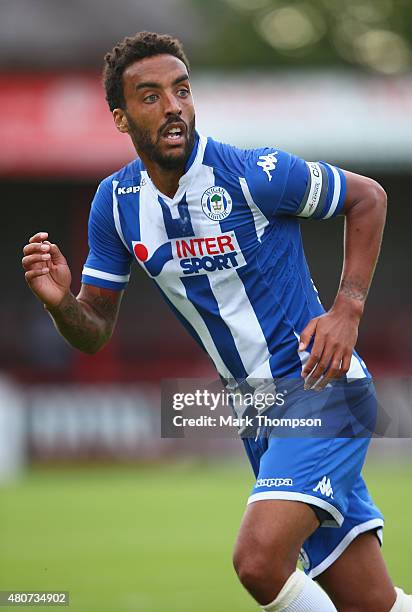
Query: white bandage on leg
403 602
301 594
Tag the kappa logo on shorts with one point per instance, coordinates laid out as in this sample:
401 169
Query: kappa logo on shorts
274 482
324 487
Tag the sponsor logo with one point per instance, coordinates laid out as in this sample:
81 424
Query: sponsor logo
131 188
207 254
274 482
195 255
216 203
268 163
324 487
153 262
126 190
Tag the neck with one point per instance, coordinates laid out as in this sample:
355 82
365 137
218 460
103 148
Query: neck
166 181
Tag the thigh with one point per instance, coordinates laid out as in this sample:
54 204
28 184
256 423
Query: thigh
359 579
276 528
268 544
326 545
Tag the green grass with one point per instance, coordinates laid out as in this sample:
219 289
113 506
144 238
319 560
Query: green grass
152 539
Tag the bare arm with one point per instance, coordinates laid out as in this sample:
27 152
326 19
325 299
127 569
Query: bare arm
365 214
86 321
336 332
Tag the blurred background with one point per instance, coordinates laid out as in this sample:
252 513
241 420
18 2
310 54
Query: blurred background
92 500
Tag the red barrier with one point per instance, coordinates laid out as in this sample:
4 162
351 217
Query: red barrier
58 126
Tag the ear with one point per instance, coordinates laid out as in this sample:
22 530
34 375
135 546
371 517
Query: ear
120 120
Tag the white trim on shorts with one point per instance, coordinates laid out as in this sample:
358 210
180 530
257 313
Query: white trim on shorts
344 543
302 497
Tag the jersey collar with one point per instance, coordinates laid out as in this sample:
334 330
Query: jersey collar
193 154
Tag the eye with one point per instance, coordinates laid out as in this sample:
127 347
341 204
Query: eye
183 92
150 98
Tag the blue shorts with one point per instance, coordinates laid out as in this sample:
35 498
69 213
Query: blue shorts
324 472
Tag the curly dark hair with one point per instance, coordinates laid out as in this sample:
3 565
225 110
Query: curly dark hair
130 50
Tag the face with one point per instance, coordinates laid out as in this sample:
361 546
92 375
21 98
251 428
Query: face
159 114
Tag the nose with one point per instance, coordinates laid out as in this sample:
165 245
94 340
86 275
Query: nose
172 105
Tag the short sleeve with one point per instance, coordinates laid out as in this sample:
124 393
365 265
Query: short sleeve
283 184
108 262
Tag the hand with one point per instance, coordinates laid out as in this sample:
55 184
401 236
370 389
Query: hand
335 335
47 272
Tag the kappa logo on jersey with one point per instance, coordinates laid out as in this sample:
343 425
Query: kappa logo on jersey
324 487
195 255
131 188
126 190
274 482
268 163
216 203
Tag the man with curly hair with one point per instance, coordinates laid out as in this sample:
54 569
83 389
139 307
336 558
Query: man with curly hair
217 229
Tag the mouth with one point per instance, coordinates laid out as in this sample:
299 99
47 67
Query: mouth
174 133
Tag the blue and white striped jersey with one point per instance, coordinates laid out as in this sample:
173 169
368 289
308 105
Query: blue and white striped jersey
225 251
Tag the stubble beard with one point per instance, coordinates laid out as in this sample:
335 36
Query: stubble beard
143 142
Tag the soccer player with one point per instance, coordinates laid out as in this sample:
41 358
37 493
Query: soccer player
217 229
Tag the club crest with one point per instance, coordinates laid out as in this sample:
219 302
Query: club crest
216 203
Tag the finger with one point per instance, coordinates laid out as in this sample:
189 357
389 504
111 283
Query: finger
321 361
56 255
32 274
312 362
307 334
347 358
30 260
339 367
314 377
39 237
315 355
36 247
333 372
